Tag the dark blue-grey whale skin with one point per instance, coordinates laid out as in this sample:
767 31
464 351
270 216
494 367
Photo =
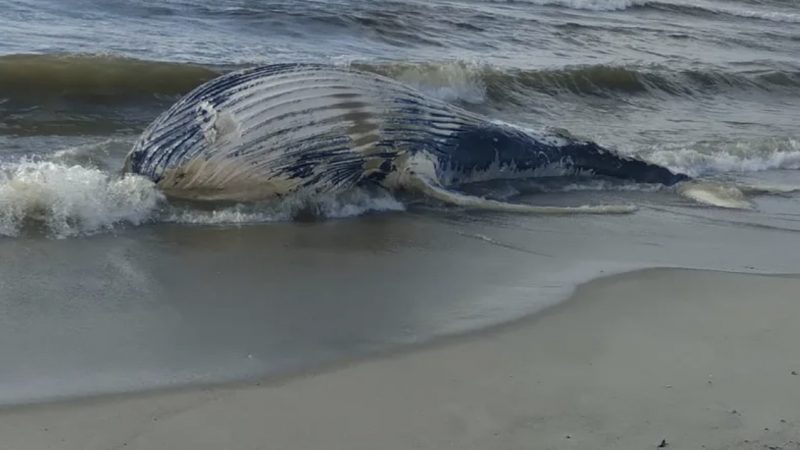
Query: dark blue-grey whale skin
301 126
477 148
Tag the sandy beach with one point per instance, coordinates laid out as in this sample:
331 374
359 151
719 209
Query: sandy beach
686 359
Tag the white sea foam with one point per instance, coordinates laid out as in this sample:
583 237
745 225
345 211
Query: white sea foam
772 16
619 5
593 5
67 200
352 203
705 159
603 185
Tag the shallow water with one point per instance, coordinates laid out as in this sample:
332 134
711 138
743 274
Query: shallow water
107 286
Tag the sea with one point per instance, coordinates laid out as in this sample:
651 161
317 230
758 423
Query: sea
106 286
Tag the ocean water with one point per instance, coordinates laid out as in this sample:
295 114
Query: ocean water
107 286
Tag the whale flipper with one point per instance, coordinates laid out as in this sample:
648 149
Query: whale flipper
454 198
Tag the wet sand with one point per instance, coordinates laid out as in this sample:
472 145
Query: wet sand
697 359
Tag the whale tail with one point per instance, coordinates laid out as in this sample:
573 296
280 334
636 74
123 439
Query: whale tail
590 157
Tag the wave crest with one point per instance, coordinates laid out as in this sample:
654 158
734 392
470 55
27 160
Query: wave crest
681 8
592 5
732 12
475 83
87 79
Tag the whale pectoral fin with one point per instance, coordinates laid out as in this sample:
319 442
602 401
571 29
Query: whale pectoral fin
433 190
715 194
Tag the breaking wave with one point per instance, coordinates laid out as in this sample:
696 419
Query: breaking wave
63 200
70 200
681 7
689 8
473 83
711 158
95 79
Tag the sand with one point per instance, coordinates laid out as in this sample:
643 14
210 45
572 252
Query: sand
687 359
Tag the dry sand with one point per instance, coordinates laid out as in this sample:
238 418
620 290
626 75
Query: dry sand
698 359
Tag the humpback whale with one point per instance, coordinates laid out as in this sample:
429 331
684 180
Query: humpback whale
270 131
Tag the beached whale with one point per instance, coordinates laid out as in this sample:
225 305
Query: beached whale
270 131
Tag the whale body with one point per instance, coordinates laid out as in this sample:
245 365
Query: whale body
270 131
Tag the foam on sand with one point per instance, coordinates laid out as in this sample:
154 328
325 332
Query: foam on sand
711 158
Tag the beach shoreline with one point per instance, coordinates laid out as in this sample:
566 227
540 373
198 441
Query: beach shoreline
698 359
